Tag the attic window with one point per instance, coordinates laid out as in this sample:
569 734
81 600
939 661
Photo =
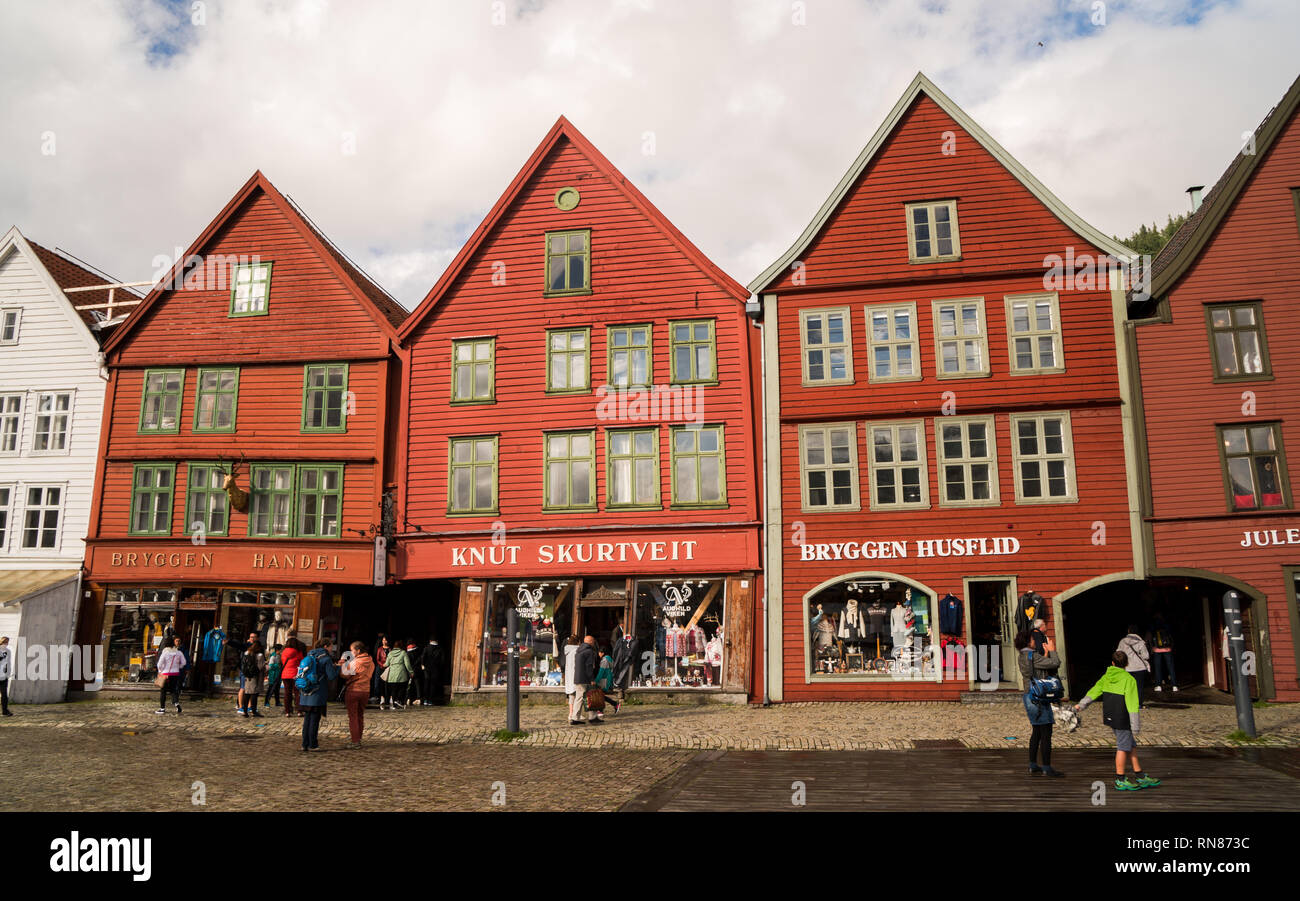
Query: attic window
9 326
252 288
932 231
568 262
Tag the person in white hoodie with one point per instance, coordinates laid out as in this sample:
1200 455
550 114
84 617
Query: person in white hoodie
6 670
170 663
1139 658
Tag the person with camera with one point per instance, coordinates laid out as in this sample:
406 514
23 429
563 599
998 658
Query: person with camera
1039 669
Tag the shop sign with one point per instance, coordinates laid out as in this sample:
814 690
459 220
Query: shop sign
580 552
381 562
528 603
678 601
246 562
1004 545
1269 537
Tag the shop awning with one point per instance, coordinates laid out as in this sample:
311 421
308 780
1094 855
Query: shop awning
19 585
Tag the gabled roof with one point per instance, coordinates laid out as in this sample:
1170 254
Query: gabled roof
57 273
67 274
564 129
922 85
1176 257
385 311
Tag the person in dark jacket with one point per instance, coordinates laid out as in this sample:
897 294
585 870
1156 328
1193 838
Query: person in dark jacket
431 673
1038 665
312 699
584 673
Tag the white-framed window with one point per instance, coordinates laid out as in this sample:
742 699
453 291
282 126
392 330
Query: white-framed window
961 346
1034 333
825 338
893 351
9 319
968 461
900 479
11 423
42 514
1042 454
932 231
53 423
828 466
6 514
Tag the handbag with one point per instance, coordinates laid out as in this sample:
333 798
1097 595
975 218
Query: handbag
1044 689
595 699
160 680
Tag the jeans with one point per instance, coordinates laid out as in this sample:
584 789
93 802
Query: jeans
4 694
173 685
1159 663
1141 677
356 704
272 692
430 688
395 692
1041 738
310 725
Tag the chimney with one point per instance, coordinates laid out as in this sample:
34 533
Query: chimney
1194 192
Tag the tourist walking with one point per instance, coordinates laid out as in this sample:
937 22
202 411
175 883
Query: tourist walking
6 670
1162 654
1119 709
412 693
170 663
356 691
397 672
290 657
381 660
252 663
584 674
273 676
431 673
315 671
1035 665
1139 659
605 681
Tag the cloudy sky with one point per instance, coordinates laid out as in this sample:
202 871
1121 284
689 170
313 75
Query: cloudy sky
128 124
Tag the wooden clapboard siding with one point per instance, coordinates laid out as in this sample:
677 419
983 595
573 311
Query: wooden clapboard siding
638 275
1253 255
1009 235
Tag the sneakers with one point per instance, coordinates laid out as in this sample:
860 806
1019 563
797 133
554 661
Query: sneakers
178 709
256 713
577 723
1048 771
354 746
160 711
397 705
244 714
1126 785
1035 770
617 705
1147 782
1175 688
1160 688
8 713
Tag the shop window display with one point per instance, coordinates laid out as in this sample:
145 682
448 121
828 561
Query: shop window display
679 633
545 619
866 628
138 623
244 611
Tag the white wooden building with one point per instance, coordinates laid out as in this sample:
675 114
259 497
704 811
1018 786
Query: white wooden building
51 405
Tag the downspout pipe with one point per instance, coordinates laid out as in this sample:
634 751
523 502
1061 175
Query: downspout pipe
754 309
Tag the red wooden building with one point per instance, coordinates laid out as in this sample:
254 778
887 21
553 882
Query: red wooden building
579 437
263 351
946 419
1220 372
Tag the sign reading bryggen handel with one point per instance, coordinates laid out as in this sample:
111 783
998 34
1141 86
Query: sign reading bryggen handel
1003 545
203 561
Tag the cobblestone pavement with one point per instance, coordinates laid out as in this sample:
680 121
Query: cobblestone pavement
808 726
98 769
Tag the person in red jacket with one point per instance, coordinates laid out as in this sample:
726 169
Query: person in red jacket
289 658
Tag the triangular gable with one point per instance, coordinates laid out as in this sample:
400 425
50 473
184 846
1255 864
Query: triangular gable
922 85
565 129
1176 257
15 242
385 315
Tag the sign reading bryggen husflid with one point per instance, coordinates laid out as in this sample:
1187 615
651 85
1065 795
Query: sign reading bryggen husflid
581 431
242 451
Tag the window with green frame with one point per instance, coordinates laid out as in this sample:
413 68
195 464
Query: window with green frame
215 400
473 370
152 490
692 351
160 406
570 468
632 468
207 506
568 262
320 501
252 290
629 356
324 398
270 501
472 475
568 361
699 474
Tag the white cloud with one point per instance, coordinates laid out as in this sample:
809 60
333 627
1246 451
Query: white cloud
755 117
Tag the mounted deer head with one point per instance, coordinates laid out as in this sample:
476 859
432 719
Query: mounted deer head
238 496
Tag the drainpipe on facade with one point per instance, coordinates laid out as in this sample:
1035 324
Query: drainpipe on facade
754 308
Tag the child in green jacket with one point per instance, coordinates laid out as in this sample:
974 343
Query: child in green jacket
1119 698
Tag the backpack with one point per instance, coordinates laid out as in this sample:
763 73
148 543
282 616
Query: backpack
1160 639
248 666
308 674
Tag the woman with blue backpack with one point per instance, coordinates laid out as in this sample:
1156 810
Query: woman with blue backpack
315 672
1042 688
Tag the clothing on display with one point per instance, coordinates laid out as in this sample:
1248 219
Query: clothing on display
852 623
213 644
950 615
876 615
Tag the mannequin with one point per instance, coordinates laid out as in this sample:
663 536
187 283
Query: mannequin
898 618
278 632
823 629
713 657
852 625
263 625
153 634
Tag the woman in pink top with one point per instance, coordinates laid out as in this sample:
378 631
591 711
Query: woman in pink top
170 663
356 676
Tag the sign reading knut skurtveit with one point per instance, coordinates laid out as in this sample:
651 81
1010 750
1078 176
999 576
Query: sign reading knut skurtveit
892 549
